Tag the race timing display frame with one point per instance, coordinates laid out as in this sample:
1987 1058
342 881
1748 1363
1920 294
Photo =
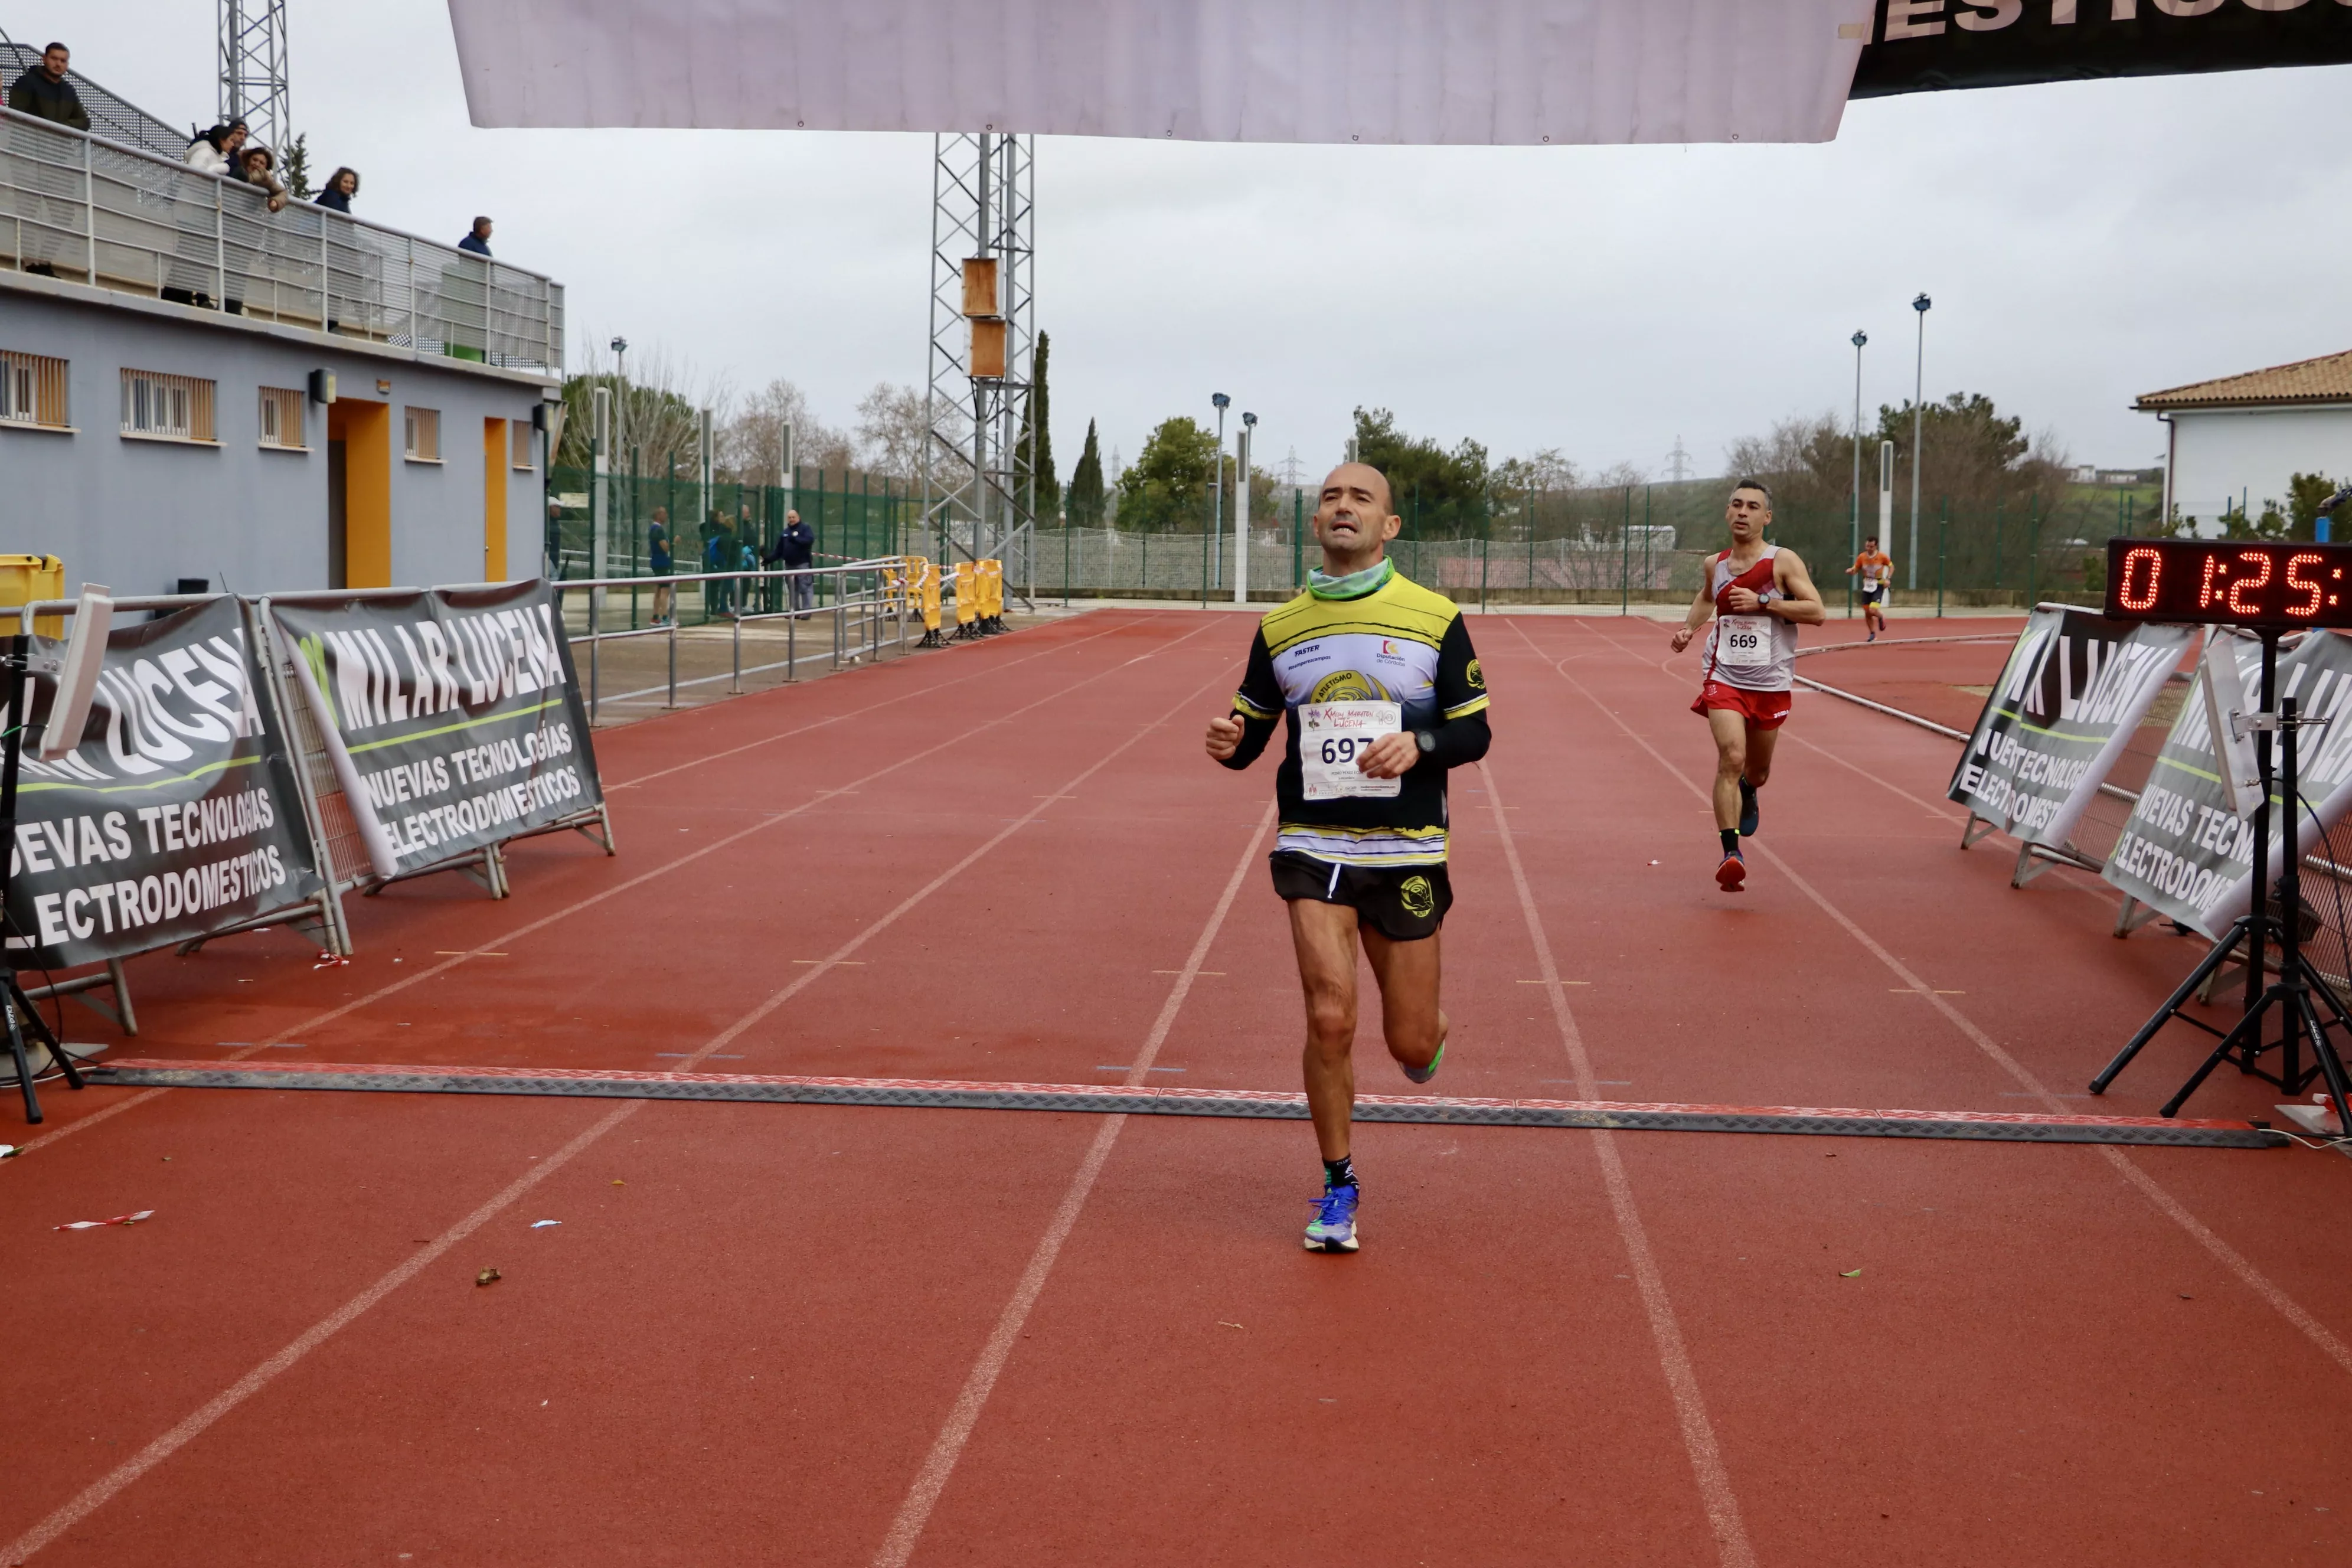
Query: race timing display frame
2259 584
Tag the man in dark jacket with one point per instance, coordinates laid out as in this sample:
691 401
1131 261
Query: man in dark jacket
45 93
477 239
794 549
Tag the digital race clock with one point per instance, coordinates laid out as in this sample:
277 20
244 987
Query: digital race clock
2229 581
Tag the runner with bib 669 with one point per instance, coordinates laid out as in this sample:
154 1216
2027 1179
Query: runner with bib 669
1757 594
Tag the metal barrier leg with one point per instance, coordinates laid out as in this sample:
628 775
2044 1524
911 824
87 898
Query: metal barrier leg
837 634
673 662
122 1008
792 640
595 671
735 686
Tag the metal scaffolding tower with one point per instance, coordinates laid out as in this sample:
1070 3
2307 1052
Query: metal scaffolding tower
979 489
252 71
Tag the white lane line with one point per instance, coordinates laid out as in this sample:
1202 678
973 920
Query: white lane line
1714 1479
932 1479
506 938
2229 1257
99 1492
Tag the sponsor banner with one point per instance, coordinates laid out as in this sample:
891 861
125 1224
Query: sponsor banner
2183 853
2074 688
452 719
176 816
1922 45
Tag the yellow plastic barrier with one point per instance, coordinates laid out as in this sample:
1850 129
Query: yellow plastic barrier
927 578
25 578
991 591
967 597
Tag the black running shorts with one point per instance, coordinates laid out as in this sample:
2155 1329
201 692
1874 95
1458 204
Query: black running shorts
1403 903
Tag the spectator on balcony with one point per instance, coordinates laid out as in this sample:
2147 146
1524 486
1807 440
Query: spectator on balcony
215 151
44 92
342 186
477 239
255 168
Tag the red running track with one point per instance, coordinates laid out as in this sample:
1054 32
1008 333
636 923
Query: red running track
823 1335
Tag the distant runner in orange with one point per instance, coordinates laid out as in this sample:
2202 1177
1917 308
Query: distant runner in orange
1873 573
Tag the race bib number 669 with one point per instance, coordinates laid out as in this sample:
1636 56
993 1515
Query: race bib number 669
1744 642
1333 736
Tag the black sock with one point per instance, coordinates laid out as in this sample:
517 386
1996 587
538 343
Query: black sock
1731 841
1340 1173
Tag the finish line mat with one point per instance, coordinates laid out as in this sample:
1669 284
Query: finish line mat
1996 1127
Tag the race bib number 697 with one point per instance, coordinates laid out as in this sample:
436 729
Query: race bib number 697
1333 737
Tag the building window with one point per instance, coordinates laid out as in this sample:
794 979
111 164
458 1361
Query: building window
423 438
166 407
281 418
33 391
521 432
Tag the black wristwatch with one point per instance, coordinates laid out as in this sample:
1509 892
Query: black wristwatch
1427 739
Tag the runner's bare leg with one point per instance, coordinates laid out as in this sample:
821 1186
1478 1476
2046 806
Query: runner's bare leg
1761 744
1325 938
1410 1017
1731 740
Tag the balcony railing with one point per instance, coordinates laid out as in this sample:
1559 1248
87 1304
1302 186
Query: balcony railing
92 211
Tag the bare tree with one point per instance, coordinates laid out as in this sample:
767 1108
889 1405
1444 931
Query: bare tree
894 431
655 408
753 445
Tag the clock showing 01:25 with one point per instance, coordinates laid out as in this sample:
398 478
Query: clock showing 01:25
2229 581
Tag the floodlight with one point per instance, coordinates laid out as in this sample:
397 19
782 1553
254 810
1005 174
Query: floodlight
1220 400
77 674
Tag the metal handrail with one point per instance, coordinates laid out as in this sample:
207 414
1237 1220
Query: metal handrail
123 219
872 605
857 639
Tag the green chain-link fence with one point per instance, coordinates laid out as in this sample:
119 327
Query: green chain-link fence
856 517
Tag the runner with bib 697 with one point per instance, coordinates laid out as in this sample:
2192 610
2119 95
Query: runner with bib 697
1757 594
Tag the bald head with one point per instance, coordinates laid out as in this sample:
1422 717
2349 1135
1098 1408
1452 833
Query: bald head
1363 480
1355 518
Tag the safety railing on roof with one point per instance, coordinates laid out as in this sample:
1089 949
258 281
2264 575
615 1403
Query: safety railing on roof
112 116
87 210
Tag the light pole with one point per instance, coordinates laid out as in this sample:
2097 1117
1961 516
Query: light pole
1217 495
1241 508
621 389
1853 521
1918 440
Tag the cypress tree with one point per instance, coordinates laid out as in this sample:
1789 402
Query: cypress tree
1085 500
1038 419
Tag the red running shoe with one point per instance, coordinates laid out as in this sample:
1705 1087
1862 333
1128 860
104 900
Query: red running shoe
1732 875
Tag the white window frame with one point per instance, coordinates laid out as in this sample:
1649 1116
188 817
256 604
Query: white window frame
288 408
421 429
33 393
160 407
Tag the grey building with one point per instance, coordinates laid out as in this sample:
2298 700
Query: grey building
168 348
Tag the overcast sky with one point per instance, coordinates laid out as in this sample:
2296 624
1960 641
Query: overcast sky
2082 244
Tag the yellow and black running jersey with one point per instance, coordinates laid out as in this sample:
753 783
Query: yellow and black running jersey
1397 642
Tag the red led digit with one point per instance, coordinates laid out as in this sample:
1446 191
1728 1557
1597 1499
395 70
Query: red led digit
2133 560
2253 585
2308 558
2207 592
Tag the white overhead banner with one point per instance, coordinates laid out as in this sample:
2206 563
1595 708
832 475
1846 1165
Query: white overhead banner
1420 72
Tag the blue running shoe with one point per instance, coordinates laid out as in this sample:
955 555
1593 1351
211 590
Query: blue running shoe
1750 815
1732 875
1422 1075
1333 1228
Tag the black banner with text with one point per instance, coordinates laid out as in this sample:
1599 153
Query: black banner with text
176 817
453 719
